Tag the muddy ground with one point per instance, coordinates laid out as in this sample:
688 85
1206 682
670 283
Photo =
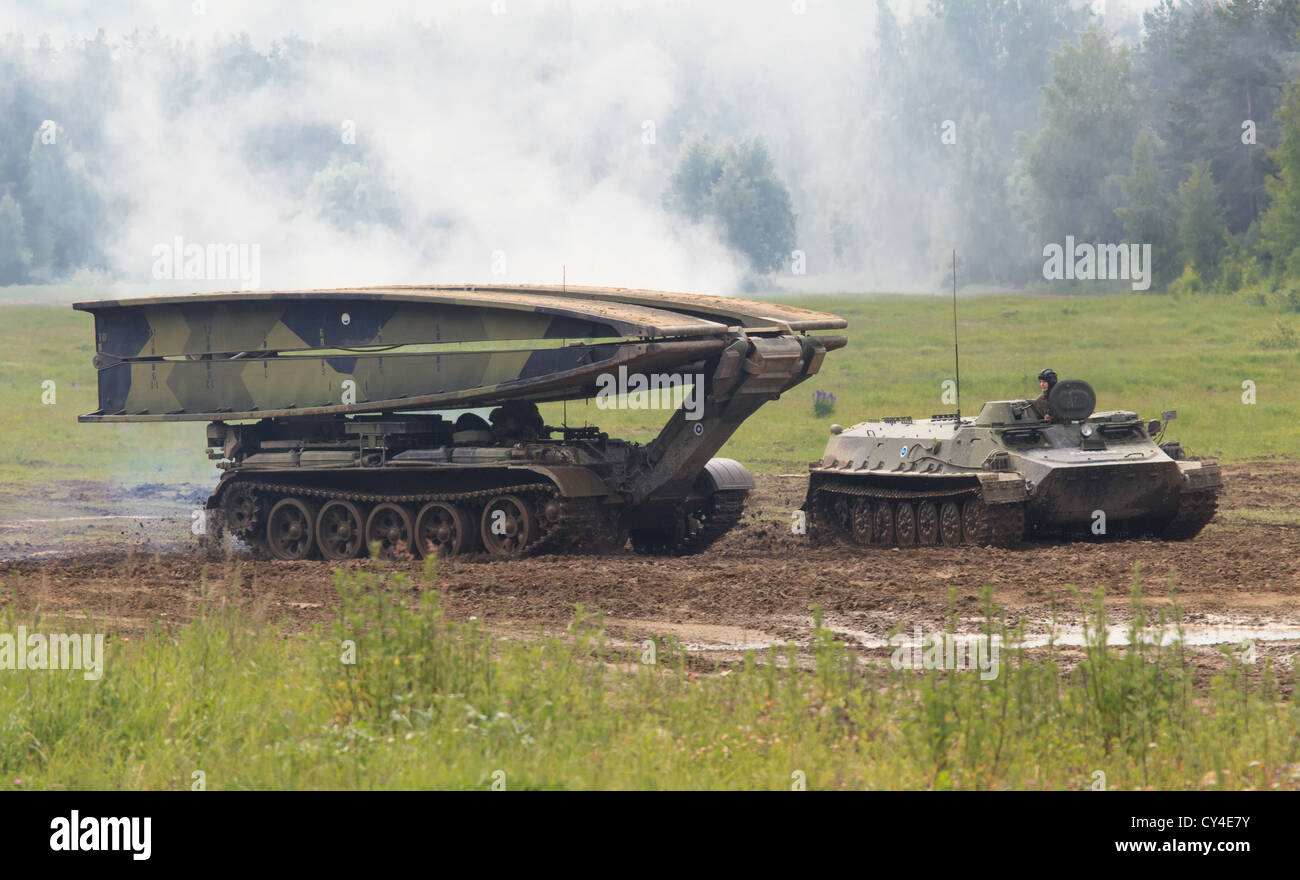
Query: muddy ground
125 555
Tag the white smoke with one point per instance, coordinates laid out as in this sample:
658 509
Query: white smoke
495 140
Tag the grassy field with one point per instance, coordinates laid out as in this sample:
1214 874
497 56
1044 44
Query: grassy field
1144 353
44 441
431 702
1141 353
397 696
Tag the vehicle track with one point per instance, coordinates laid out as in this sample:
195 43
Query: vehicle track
1242 568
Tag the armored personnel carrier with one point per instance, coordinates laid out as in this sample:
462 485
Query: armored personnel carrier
325 411
1008 474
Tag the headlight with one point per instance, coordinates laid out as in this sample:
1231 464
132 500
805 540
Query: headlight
1086 430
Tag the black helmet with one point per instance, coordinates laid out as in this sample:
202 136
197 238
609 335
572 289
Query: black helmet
1048 376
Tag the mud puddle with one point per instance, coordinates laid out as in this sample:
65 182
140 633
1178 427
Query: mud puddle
1117 635
19 523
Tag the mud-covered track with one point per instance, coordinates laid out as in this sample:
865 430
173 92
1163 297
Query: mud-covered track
755 585
844 513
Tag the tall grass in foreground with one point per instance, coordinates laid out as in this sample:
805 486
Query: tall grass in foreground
432 702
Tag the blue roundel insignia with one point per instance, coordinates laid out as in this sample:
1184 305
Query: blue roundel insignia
903 452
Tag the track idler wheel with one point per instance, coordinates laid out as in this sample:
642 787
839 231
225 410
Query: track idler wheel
290 529
389 525
340 530
508 526
442 529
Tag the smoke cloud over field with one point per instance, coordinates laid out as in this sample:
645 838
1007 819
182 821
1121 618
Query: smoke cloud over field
477 141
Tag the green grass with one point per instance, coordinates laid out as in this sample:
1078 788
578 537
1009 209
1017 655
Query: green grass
1144 353
434 703
1141 353
1269 517
44 442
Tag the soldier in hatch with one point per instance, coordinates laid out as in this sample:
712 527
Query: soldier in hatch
517 420
1046 381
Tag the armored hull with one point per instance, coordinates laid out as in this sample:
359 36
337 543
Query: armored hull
1005 475
324 411
416 484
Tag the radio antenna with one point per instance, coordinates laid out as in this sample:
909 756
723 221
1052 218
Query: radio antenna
564 286
956 351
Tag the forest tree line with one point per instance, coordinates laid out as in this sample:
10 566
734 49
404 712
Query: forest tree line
995 127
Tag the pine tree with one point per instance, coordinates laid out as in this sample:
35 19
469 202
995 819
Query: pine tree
1091 113
1203 229
740 189
1151 216
1280 225
984 229
14 254
691 186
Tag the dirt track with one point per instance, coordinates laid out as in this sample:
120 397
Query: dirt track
754 588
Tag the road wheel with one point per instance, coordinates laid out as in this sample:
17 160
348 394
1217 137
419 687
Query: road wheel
905 524
508 526
927 523
339 530
289 529
950 523
443 529
863 532
975 522
390 525
884 525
